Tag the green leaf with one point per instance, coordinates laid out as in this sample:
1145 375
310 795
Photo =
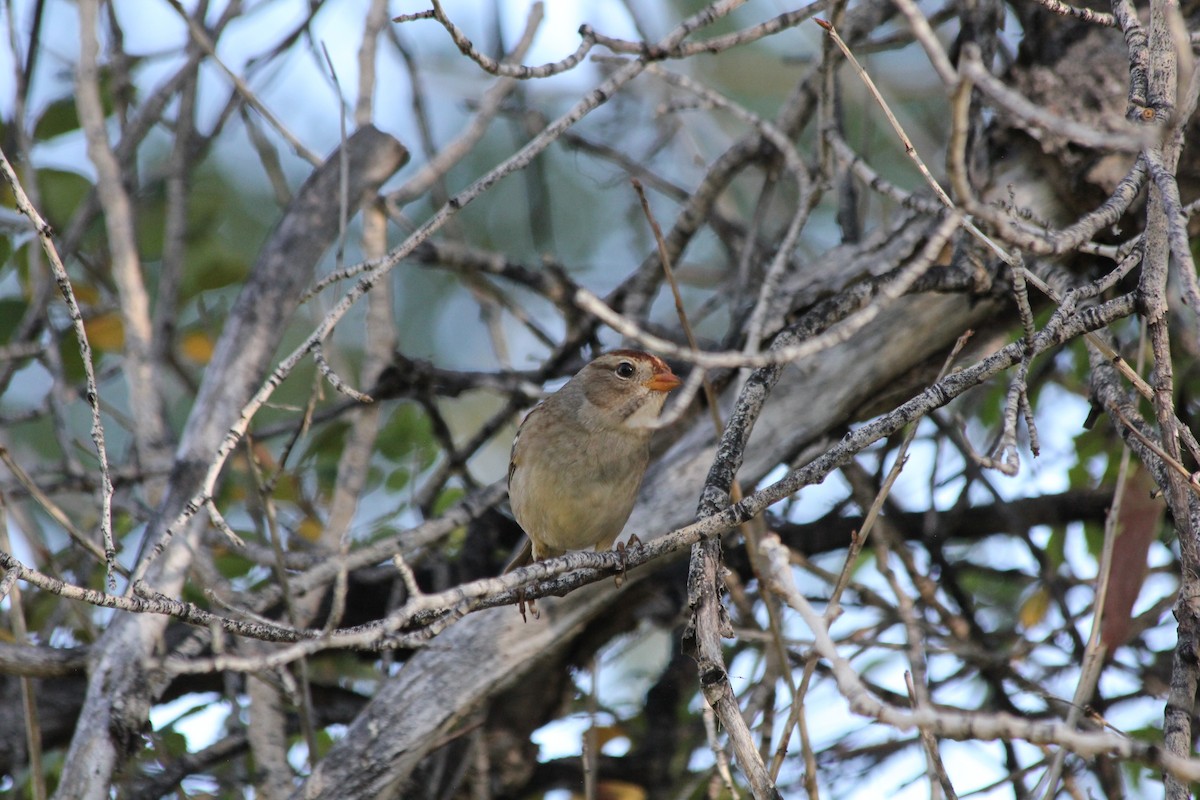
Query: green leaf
62 193
407 437
60 117
397 479
11 311
447 498
1137 773
1093 534
173 742
1002 589
328 438
72 361
212 268
232 564
1056 548
6 253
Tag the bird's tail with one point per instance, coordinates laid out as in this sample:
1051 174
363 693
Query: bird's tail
524 556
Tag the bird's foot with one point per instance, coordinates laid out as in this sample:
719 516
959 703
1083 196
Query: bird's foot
634 541
522 602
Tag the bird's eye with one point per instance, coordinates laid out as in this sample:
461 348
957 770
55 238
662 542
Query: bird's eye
625 370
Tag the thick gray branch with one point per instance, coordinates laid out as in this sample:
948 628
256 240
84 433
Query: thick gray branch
486 652
119 694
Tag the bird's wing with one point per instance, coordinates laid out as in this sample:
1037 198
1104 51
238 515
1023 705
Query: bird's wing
513 458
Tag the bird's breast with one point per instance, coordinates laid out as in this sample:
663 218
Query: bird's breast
580 496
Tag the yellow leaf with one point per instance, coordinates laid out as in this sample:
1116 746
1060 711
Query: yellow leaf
1034 607
310 529
617 790
197 346
105 332
85 294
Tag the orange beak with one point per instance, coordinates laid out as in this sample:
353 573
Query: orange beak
663 379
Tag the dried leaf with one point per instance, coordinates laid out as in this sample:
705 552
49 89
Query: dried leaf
1137 526
106 332
197 346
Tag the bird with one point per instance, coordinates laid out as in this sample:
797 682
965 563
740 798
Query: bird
578 458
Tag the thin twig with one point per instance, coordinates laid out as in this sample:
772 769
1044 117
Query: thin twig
45 235
201 37
318 354
20 633
929 742
960 725
54 510
379 268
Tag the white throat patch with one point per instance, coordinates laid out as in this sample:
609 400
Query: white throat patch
647 413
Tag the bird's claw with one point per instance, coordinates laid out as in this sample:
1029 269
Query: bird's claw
522 602
622 547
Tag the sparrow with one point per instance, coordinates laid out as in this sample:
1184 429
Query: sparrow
579 456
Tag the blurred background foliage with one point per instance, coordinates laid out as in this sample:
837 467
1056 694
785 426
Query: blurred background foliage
1028 588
